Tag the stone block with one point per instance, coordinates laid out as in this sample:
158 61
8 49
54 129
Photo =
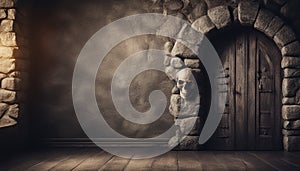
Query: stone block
180 50
8 39
291 112
7 25
199 10
247 12
189 126
290 62
203 24
175 103
263 19
290 87
292 49
291 124
167 60
11 14
7 3
8 96
168 47
7 65
6 121
192 63
291 73
11 83
290 132
189 143
176 63
288 101
291 143
2 14
274 27
171 72
3 108
8 52
13 111
284 36
173 5
220 16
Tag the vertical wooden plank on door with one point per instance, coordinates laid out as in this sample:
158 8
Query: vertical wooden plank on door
251 70
240 132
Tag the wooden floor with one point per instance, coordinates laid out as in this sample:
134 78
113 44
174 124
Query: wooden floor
95 159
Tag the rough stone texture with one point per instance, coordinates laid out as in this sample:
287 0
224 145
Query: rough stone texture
175 104
274 27
2 76
7 96
288 101
290 73
290 62
192 63
203 24
189 143
214 3
291 143
175 90
176 63
2 13
290 87
235 15
7 3
3 108
7 52
263 19
292 49
171 72
13 111
167 60
220 16
11 14
7 65
8 39
199 11
247 12
11 83
169 28
290 132
173 5
168 47
182 51
6 121
290 112
291 124
191 123
284 36
7 25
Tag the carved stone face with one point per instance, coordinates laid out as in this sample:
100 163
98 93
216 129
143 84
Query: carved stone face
186 83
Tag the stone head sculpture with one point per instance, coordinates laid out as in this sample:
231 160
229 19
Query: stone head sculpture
186 83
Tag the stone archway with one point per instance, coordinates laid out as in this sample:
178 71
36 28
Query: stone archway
247 13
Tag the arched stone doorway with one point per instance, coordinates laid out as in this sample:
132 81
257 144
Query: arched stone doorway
252 14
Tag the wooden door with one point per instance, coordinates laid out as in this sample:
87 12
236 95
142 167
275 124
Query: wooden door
251 120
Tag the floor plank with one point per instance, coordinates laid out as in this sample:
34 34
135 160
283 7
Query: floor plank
25 161
253 163
116 163
166 162
225 157
94 162
72 161
186 161
208 160
53 160
275 160
139 164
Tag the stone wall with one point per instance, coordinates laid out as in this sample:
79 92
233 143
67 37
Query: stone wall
12 63
269 17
